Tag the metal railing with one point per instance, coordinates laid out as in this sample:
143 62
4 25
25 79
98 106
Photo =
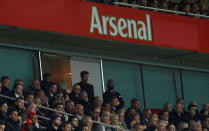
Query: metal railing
64 113
160 10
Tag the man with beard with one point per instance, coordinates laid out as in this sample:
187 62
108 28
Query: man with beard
111 92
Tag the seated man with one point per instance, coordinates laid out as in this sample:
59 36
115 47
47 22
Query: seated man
191 114
19 105
12 124
75 93
55 123
176 115
78 110
3 110
66 126
74 122
52 91
34 87
17 91
5 82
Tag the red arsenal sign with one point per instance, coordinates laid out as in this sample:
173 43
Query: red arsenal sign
78 17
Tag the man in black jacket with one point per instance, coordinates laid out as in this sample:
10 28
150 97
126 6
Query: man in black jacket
191 114
176 115
75 93
3 110
111 92
85 85
12 124
5 82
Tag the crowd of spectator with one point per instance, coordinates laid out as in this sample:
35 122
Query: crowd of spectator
188 6
87 110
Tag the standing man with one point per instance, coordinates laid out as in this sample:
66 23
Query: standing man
111 92
86 86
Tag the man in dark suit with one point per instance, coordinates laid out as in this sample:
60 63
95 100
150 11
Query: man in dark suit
85 85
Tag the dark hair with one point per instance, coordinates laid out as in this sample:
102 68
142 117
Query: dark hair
134 100
84 73
46 75
2 102
19 98
94 107
52 84
15 86
29 93
72 117
190 106
57 104
4 77
11 110
179 100
2 122
65 123
204 117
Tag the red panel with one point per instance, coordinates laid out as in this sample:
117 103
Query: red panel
74 17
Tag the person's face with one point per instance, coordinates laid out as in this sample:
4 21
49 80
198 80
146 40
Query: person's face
107 108
6 83
106 120
136 105
95 113
14 116
18 90
41 95
84 78
165 116
30 98
79 109
20 104
115 121
206 123
121 117
31 108
192 111
36 85
179 108
53 89
85 97
67 128
71 106
38 101
154 121
75 122
77 89
2 127
114 102
168 108
85 128
60 108
198 127
59 97
162 127
58 121
4 107
110 84
89 123
148 113
137 119
97 101
138 128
